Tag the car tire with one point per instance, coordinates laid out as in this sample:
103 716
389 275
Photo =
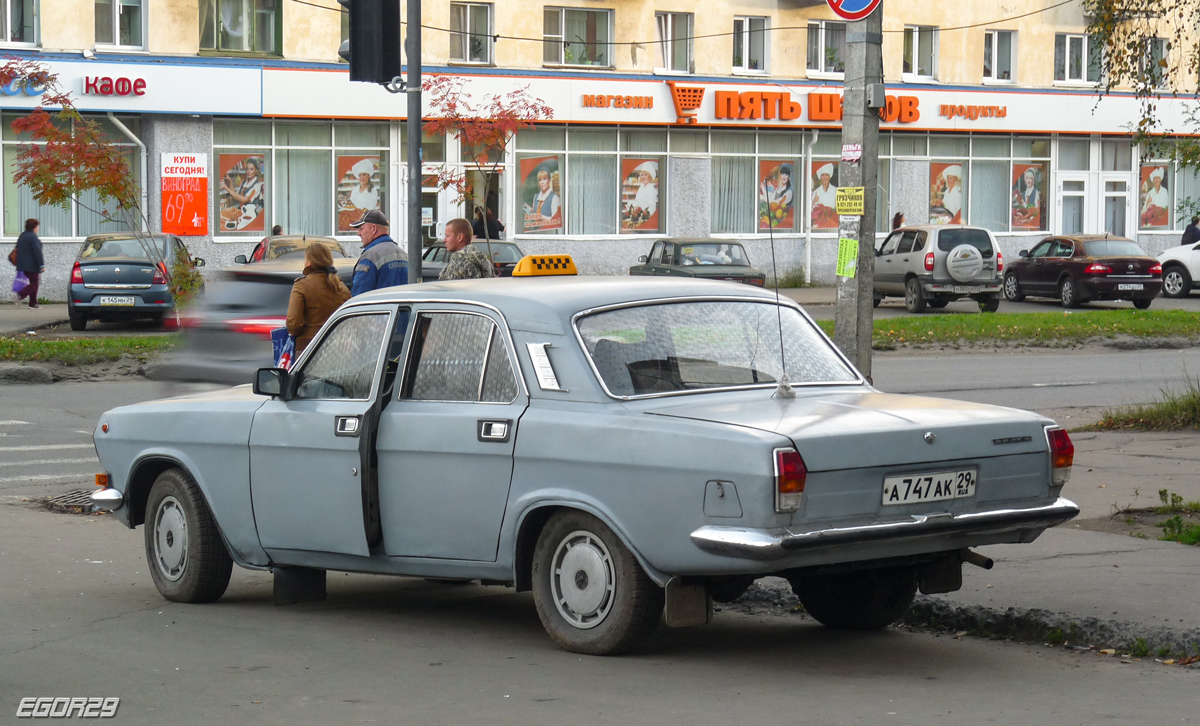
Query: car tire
1068 293
1142 303
938 303
875 300
990 304
1176 282
914 297
187 557
728 589
592 595
862 600
78 322
1012 289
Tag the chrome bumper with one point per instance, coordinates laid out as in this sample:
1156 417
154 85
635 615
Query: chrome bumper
107 498
762 544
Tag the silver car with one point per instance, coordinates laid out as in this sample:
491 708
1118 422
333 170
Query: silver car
629 449
938 264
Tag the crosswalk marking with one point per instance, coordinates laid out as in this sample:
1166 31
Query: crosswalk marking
45 477
40 462
14 422
47 447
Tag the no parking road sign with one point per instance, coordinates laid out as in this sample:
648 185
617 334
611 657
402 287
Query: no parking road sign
853 9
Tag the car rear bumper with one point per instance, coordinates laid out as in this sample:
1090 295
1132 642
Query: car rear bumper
762 544
146 301
943 288
1100 288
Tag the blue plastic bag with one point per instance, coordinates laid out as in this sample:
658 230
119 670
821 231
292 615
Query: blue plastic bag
20 282
283 345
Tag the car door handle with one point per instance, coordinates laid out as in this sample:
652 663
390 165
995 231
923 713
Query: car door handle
346 425
491 430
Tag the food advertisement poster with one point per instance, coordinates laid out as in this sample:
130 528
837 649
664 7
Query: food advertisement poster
541 193
243 188
776 194
639 195
824 196
946 197
1155 197
359 189
1028 196
185 194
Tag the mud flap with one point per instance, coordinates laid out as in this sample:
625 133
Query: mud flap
688 604
941 575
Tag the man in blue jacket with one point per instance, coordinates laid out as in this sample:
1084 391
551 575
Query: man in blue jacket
382 262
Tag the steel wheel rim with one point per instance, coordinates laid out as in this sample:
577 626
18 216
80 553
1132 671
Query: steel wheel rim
910 295
1172 282
170 539
1010 287
583 580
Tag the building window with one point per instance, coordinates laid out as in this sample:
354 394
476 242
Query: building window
750 45
920 52
575 37
1153 62
1076 59
999 55
470 33
119 22
19 23
248 26
674 34
827 47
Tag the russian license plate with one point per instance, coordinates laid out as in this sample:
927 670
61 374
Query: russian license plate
1129 286
929 487
968 289
117 300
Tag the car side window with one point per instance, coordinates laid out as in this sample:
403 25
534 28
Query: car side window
668 255
655 253
1042 248
906 242
440 255
344 363
890 244
919 242
459 357
428 253
1063 248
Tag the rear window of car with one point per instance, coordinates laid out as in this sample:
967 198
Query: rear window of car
129 248
295 250
714 254
253 294
691 346
1112 247
948 239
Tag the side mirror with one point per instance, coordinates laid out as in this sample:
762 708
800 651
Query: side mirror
1023 253
643 258
270 381
240 259
198 261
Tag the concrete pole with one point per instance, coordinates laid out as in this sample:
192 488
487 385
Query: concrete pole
413 88
853 319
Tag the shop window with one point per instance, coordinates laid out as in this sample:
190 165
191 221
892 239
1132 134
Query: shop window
470 32
826 47
433 148
920 52
592 194
1074 154
673 51
750 45
1154 198
1188 196
733 194
119 22
240 26
999 55
1076 58
991 197
575 37
1115 155
19 22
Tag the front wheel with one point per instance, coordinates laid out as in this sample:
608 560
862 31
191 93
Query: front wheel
1176 282
1012 289
1068 294
863 600
1142 303
914 297
187 557
590 592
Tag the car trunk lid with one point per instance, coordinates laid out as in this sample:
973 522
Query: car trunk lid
123 271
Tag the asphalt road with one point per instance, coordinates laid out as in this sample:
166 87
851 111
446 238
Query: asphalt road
893 307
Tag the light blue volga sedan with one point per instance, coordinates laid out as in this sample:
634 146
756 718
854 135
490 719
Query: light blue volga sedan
626 448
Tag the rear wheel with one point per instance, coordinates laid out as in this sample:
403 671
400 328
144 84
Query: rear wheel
1142 303
989 304
1012 289
938 303
1176 282
187 557
863 600
78 321
914 297
1068 293
875 300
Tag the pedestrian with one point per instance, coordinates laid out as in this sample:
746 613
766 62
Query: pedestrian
30 261
492 226
277 230
1192 233
897 221
466 261
315 296
382 262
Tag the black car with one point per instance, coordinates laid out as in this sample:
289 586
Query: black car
123 276
505 256
1079 268
703 258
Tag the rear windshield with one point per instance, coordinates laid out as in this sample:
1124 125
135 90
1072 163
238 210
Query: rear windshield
948 239
295 250
691 346
129 248
713 254
500 252
1112 248
261 295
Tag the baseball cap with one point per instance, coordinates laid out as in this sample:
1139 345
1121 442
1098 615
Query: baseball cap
373 216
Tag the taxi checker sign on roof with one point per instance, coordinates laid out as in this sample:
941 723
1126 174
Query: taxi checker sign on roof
849 200
853 9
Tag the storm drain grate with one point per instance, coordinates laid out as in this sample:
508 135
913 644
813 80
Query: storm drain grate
76 502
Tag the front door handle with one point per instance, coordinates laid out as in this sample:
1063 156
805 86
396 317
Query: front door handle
346 425
493 430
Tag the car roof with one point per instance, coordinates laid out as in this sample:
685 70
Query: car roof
699 241
291 268
937 227
301 238
1090 237
110 236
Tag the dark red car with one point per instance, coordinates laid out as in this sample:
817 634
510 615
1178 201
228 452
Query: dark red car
1079 268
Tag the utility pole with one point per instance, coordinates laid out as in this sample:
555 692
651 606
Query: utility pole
853 318
413 87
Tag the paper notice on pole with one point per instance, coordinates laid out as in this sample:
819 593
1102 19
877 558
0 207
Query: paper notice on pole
847 260
546 379
851 153
849 200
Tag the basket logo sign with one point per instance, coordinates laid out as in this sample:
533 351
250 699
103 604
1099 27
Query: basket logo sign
853 9
687 100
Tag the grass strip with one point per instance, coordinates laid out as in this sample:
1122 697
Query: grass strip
1172 412
83 351
1049 330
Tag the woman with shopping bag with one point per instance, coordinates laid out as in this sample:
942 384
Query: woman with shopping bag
30 262
315 296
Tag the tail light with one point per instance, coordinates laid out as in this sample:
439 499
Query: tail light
999 261
790 475
1098 269
756 281
929 262
160 275
76 275
261 327
1062 455
1156 269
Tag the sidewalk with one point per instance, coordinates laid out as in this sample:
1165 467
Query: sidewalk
17 319
825 295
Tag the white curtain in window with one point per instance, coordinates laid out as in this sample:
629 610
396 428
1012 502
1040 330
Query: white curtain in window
1187 196
458 28
303 191
732 194
592 194
92 218
991 194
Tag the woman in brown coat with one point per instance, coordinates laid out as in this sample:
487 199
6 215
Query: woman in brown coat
315 296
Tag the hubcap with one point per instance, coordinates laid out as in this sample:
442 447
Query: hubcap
1172 282
170 539
583 580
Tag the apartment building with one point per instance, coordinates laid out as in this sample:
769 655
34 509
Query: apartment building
718 118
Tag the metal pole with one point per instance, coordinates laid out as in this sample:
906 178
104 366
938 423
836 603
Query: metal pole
854 322
414 140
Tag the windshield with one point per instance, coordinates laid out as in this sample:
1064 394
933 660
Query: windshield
132 248
699 345
1112 248
948 239
713 254
294 249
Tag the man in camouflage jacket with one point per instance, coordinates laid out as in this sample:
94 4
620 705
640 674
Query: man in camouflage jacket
466 261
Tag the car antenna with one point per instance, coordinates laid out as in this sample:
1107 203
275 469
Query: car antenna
784 389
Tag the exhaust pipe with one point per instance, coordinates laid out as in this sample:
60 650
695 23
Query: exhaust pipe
976 559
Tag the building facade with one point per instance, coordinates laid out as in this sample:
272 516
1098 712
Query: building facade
708 120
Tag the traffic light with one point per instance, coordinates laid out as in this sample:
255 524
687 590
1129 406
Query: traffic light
373 49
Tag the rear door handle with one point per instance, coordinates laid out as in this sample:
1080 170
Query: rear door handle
346 425
492 430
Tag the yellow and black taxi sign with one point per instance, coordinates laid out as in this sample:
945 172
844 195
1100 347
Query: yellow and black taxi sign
542 265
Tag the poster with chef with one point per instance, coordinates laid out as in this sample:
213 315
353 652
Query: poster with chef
243 189
639 195
359 189
776 194
946 198
1155 210
824 196
541 193
1028 196
185 194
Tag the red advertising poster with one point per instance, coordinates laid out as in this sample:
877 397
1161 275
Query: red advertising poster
1028 196
243 192
1155 197
946 198
185 194
824 196
541 193
777 194
639 195
359 189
